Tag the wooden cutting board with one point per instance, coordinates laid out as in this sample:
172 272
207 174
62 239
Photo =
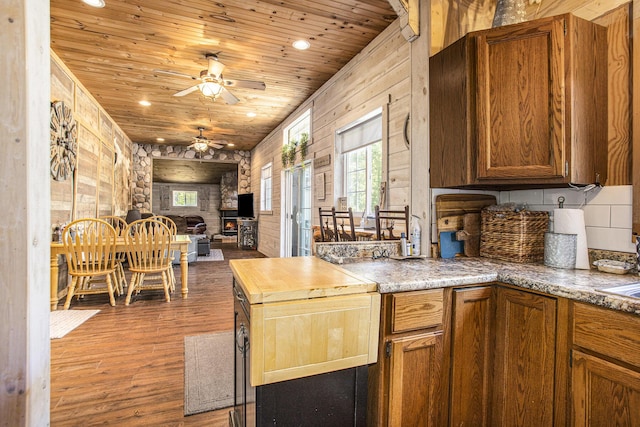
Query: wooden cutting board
460 213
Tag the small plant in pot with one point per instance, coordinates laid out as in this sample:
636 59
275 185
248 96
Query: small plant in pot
289 154
304 146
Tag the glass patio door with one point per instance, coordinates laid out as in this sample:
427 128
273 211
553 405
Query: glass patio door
296 239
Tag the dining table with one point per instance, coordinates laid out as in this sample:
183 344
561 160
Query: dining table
180 242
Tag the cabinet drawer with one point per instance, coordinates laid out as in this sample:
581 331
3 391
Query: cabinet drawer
607 332
416 310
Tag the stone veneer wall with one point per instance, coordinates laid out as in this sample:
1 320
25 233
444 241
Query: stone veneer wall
229 191
141 178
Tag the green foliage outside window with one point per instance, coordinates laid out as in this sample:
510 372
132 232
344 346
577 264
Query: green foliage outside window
363 177
185 198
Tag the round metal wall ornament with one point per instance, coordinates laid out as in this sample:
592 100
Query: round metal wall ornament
64 141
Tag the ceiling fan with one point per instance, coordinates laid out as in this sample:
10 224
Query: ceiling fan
212 83
201 143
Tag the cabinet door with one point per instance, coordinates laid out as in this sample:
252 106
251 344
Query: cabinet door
524 369
416 368
604 394
472 352
521 101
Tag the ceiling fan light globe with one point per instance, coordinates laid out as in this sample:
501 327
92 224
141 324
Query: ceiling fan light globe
210 89
200 146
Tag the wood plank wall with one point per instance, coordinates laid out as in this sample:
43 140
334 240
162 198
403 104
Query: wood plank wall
103 167
379 76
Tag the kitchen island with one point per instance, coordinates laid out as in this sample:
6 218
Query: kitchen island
473 341
305 332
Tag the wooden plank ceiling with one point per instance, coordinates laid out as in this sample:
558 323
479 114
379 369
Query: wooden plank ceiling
116 51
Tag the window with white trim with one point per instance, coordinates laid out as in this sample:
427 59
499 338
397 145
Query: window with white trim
266 187
185 198
297 131
360 147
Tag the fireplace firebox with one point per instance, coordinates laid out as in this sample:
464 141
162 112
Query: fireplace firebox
229 222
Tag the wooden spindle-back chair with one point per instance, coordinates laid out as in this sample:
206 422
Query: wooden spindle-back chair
148 252
390 223
327 232
346 232
90 248
119 224
174 231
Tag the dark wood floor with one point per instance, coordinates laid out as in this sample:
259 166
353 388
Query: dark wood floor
125 365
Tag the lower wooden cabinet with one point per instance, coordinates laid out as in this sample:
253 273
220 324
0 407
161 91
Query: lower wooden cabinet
496 355
605 374
471 356
524 359
414 395
604 393
503 359
406 385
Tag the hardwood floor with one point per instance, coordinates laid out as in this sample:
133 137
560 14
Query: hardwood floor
125 365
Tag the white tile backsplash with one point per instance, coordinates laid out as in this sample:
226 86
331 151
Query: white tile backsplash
597 215
621 216
527 196
614 195
611 239
571 197
607 210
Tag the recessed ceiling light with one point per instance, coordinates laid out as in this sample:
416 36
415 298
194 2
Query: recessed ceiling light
251 114
301 44
145 103
231 144
160 139
95 3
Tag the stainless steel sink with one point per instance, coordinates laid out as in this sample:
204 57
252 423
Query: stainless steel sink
630 290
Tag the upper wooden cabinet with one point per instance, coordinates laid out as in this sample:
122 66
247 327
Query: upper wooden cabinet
521 105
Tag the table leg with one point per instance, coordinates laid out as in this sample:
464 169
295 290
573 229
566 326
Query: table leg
184 270
53 282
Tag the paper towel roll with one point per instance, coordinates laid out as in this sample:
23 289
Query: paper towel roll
571 221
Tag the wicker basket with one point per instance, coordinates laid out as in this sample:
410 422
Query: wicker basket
513 236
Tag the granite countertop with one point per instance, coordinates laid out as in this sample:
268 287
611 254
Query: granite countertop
415 274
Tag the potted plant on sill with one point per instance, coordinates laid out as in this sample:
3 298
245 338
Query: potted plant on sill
289 151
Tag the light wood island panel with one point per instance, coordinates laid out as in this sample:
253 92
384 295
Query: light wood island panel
295 339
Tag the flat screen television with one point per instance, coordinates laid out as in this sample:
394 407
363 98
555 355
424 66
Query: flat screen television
245 205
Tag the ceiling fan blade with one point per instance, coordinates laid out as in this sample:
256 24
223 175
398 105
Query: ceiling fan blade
248 84
175 73
216 144
228 97
186 91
